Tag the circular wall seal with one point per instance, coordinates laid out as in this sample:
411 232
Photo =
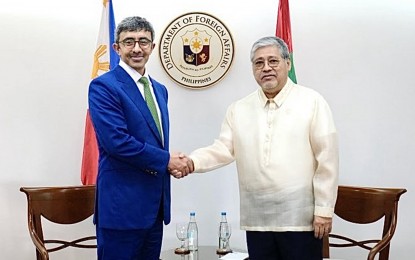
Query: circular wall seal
196 50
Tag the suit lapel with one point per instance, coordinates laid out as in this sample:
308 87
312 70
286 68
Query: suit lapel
162 103
130 87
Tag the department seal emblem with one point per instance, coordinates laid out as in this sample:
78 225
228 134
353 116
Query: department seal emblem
196 50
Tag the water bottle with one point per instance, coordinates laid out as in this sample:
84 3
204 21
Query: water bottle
224 235
223 221
192 232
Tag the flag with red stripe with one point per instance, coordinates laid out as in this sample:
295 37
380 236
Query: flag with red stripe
105 59
283 31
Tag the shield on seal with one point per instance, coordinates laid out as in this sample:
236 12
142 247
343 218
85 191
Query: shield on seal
196 47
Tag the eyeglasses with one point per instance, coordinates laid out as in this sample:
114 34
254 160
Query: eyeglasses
260 64
130 43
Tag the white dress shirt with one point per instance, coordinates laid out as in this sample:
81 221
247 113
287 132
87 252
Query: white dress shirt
136 77
286 154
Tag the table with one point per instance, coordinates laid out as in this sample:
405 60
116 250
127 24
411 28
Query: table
204 253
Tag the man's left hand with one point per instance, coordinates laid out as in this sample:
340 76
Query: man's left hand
322 226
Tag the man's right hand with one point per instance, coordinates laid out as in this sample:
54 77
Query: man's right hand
180 165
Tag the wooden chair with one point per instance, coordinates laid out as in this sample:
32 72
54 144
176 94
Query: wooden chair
363 206
61 205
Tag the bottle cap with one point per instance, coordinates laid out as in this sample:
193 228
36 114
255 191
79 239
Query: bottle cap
223 213
192 214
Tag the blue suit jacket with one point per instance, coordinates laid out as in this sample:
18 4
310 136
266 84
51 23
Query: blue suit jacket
133 180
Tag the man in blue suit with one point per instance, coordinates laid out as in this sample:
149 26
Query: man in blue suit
131 121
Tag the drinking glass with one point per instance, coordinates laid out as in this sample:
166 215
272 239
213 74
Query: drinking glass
181 233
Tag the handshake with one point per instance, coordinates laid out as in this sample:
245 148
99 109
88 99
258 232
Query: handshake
180 165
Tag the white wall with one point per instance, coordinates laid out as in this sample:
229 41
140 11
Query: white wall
358 54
